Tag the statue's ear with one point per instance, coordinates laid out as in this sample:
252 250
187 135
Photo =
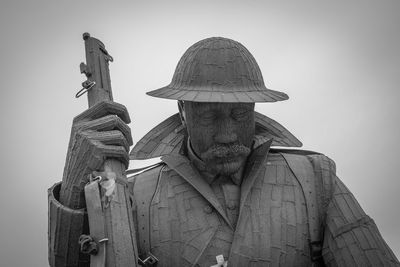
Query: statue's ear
182 113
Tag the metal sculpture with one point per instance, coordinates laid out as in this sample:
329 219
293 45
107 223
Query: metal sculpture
222 194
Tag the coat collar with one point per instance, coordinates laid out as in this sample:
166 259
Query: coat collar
254 165
169 135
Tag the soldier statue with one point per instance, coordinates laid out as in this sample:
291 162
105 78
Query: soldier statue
222 195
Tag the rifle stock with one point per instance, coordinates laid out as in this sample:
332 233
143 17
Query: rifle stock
120 248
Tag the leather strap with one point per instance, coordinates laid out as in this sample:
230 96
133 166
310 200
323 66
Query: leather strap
144 188
96 222
303 170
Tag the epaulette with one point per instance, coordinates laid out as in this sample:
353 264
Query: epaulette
133 172
294 151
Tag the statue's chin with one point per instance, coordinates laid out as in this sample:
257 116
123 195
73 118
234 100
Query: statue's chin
226 166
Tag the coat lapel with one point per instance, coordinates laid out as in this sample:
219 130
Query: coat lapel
255 163
182 166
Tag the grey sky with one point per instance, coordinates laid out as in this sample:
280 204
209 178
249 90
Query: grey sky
337 60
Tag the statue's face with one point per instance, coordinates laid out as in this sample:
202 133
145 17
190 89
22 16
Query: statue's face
220 133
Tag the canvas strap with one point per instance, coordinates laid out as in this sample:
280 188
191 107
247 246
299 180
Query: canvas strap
144 187
98 194
303 170
96 222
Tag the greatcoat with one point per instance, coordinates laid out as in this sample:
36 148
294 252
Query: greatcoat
290 209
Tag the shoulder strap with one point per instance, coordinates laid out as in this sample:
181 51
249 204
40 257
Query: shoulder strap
311 185
143 188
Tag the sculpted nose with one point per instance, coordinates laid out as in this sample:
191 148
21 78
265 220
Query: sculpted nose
225 133
226 138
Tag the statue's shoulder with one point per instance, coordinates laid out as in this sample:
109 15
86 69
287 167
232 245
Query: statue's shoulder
317 159
314 171
315 174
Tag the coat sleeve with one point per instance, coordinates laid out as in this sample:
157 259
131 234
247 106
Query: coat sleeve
65 226
351 237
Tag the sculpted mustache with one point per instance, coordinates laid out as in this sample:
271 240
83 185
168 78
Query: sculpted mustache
223 151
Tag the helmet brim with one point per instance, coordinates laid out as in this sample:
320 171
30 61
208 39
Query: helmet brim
212 95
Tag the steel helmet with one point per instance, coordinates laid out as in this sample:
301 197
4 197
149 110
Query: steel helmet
218 69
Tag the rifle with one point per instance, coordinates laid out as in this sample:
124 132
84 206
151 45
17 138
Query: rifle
107 198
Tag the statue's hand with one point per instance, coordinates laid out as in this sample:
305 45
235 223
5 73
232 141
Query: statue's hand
98 133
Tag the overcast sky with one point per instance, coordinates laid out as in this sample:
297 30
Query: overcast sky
337 60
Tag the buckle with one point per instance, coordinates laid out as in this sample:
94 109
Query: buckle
150 261
316 251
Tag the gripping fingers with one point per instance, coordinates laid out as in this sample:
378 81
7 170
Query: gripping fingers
116 152
107 138
108 123
102 109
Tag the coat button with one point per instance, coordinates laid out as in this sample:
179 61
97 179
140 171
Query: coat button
208 209
232 206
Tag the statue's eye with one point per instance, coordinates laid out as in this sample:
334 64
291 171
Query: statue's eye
240 114
207 117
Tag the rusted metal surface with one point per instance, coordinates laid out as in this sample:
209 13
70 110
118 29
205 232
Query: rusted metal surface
280 207
218 69
189 225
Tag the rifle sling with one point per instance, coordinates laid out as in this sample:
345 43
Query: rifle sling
96 222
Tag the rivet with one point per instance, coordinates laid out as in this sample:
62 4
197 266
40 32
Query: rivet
208 209
231 206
